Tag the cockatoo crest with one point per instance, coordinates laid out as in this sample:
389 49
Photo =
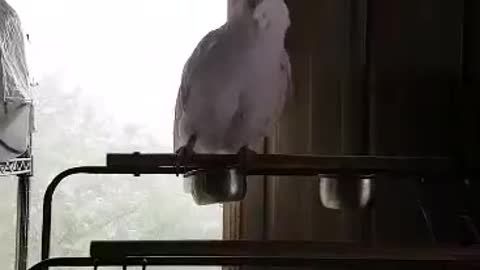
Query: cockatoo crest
272 15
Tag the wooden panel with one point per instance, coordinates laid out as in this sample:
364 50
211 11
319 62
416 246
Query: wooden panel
231 221
469 102
400 100
415 49
415 68
293 204
253 206
323 45
316 103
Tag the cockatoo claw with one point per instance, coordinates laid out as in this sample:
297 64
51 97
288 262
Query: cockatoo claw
246 156
183 155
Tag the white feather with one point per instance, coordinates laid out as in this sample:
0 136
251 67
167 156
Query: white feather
235 83
273 16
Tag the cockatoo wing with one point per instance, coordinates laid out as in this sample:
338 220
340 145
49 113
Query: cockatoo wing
200 55
286 85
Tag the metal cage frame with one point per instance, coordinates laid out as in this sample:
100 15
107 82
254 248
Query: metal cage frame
265 253
22 168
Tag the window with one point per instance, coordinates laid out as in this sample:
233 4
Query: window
108 74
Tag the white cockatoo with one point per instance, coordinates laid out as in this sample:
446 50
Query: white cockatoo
235 84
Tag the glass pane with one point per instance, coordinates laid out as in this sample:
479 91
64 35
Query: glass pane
127 208
8 215
108 74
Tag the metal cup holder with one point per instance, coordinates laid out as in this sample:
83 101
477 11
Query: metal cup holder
346 191
216 186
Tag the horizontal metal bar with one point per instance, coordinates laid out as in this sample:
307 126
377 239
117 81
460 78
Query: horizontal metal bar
241 261
123 249
138 164
267 164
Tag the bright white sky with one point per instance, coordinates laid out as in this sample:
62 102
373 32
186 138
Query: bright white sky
127 54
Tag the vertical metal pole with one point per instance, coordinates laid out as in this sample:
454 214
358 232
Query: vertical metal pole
23 207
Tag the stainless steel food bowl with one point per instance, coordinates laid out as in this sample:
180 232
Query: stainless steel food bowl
216 186
347 191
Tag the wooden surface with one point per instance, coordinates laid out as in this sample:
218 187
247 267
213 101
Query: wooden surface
374 77
326 116
469 101
311 125
415 64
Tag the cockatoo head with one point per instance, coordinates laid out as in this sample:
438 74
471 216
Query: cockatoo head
269 15
272 16
242 8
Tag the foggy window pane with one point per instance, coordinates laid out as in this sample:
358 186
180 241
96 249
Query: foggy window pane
108 74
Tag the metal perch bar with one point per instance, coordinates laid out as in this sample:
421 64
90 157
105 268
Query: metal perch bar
268 164
117 250
325 261
138 164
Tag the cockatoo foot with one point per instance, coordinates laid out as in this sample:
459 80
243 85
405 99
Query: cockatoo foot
184 155
246 156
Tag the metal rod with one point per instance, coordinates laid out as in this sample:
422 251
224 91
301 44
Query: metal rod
304 261
269 164
138 164
23 207
118 250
